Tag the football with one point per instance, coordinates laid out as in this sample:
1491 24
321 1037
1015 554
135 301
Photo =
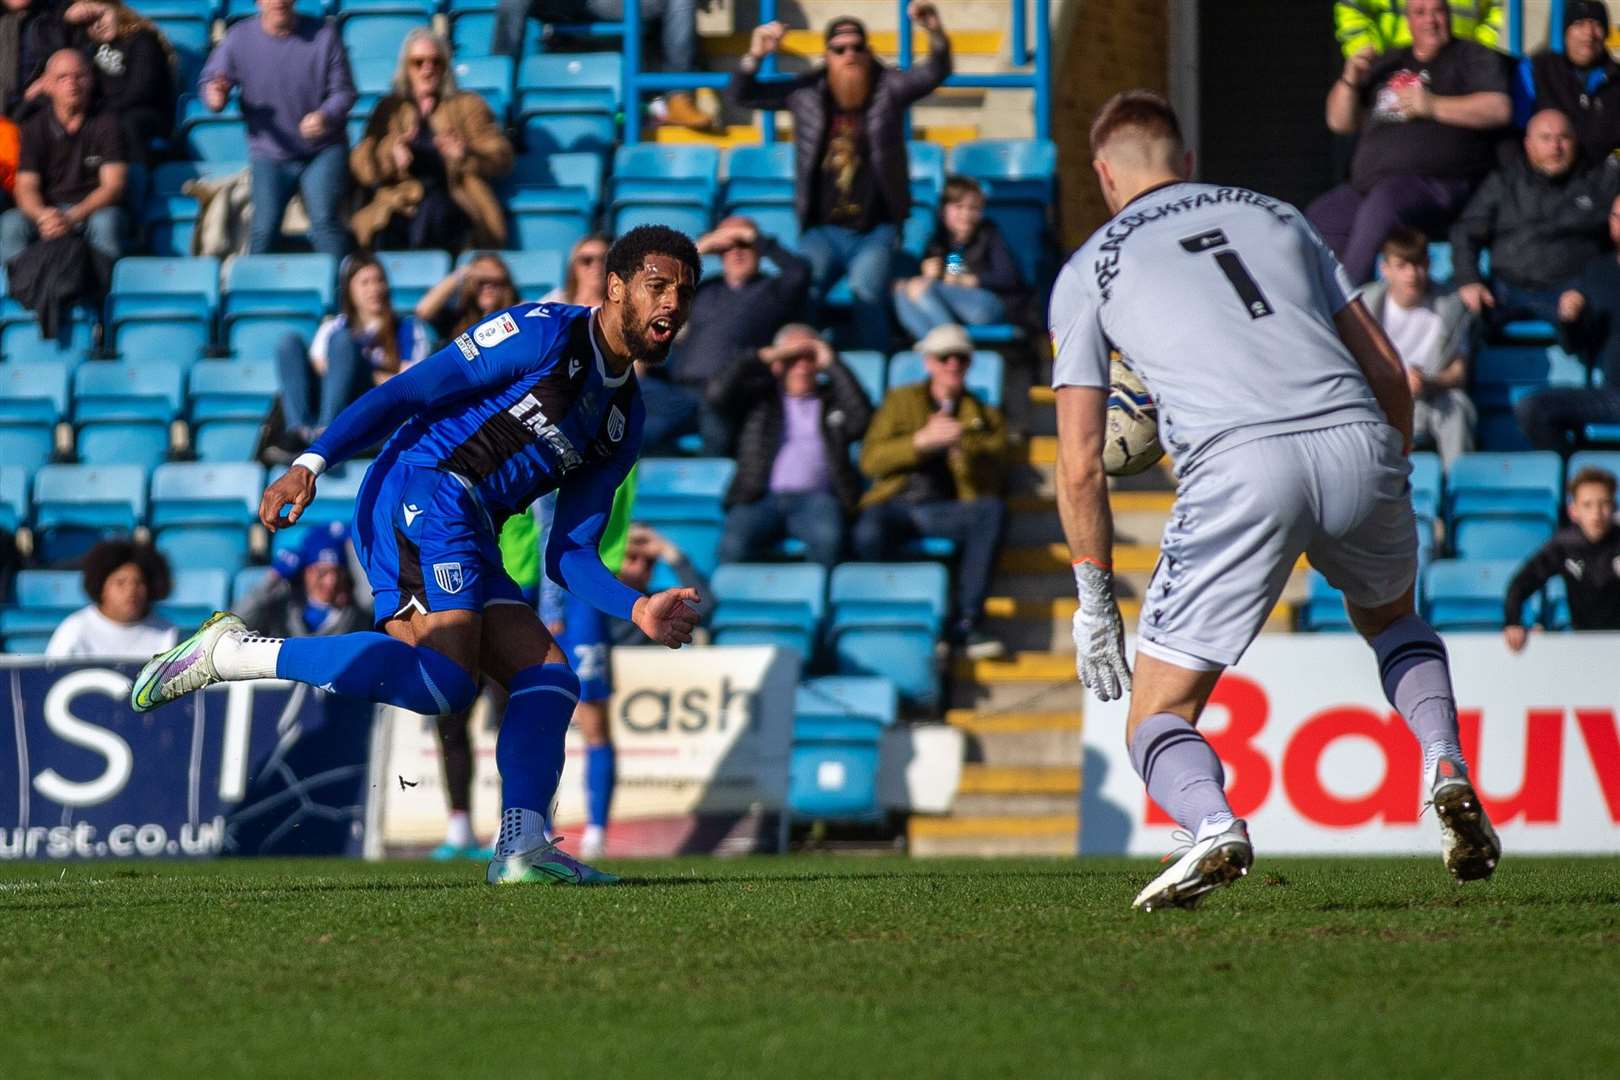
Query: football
1131 443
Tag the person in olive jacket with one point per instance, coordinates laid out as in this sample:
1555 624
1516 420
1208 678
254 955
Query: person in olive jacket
797 410
937 458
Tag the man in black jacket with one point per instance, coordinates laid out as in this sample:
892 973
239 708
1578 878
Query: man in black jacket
798 410
1586 555
1543 219
1582 81
853 186
738 311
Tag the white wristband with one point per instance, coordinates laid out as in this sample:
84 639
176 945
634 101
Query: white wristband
313 462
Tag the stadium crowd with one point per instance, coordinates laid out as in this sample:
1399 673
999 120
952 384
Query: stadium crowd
1506 163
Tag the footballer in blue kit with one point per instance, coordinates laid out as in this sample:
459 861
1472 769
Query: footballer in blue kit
534 399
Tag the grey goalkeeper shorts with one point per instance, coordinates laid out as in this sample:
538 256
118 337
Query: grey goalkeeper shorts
1242 518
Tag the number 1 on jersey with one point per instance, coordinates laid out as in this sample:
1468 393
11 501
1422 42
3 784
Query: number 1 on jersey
1231 264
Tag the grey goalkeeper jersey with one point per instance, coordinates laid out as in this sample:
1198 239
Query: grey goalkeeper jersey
1222 300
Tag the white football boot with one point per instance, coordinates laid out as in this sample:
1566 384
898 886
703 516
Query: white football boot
1467 842
547 864
1204 866
187 667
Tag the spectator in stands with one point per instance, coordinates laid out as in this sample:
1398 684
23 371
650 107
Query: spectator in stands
123 580
1582 81
133 66
937 459
1380 25
1435 334
1555 418
1586 555
853 178
467 295
738 311
430 152
362 346
585 280
308 591
296 94
71 170
677 20
968 273
1542 219
1427 115
31 31
797 410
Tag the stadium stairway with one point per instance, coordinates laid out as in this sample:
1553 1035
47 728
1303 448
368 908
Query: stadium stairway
979 45
1022 715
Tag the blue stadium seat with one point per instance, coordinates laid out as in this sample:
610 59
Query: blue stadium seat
760 175
187 32
1555 605
425 9
198 493
411 274
544 229
983 375
472 31
35 392
1604 434
535 273
1469 594
665 172
225 440
885 619
13 494
211 136
838 727
1601 459
153 390
823 707
232 390
280 285
1499 538
25 443
373 75
632 213
490 76
769 604
869 368
144 341
927 168
241 9
778 221
197 594
77 505
562 181
1505 373
43 599
379 35
122 442
1428 481
256 337
681 498
1440 270
1526 486
1323 610
334 496
569 101
205 547
174 290
21 342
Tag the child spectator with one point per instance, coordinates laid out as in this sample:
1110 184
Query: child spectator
362 346
968 274
466 296
1435 334
1586 555
123 580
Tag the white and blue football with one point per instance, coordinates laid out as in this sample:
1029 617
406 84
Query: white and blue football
1131 442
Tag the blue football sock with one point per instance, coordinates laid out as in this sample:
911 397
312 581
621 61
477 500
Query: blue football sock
600 774
379 668
529 749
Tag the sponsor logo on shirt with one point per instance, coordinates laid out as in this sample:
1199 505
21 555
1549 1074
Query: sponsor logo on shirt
1577 567
448 576
464 343
496 330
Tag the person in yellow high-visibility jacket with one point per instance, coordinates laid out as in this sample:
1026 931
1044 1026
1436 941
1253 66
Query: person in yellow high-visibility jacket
1381 24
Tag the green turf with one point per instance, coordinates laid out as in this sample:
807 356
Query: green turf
823 967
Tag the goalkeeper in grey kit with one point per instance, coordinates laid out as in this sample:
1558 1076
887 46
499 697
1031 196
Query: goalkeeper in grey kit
1288 415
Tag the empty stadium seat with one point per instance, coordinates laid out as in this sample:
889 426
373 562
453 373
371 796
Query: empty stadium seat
869 369
569 101
196 594
411 274
77 505
225 440
1428 480
232 390
838 727
760 175
1524 487
373 78
1499 538
211 136
682 498
537 224
1470 594
562 181
472 31
1504 373
153 390
666 173
1323 609
13 494
22 343
26 443
334 495
43 599
379 34
35 392
769 604
172 288
777 221
927 168
631 214
885 618
983 375
280 284
198 493
490 76
122 442
241 9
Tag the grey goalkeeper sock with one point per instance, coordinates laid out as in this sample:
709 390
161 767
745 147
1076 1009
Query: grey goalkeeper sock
1181 771
1412 665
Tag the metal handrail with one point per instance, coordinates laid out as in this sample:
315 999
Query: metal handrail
1038 80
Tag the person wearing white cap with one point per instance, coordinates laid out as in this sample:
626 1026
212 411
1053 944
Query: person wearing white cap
937 458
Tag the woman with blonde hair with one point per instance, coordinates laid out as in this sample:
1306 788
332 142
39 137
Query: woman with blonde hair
585 280
428 154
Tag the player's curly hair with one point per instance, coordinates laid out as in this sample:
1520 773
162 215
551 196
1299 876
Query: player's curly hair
109 555
630 251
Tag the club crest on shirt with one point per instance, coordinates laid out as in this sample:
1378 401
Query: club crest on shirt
447 575
496 330
615 425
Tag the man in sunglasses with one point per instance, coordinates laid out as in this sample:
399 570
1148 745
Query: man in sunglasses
853 187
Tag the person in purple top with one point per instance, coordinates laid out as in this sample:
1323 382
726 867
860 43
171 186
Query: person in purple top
296 92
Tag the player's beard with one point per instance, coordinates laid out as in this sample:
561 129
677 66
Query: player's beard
850 86
642 348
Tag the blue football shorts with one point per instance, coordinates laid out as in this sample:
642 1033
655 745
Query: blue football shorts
584 641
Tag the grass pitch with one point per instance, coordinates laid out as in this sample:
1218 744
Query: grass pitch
810 966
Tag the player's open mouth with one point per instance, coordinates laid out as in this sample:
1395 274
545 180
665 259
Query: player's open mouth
662 330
